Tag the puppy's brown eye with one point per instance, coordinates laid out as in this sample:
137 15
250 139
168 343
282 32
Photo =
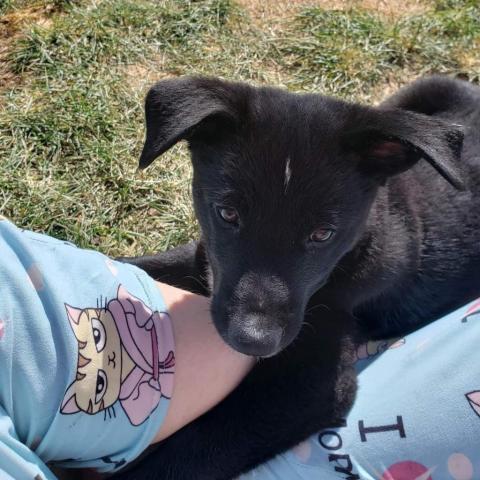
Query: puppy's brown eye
229 215
321 235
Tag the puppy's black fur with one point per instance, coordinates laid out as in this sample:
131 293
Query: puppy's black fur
390 182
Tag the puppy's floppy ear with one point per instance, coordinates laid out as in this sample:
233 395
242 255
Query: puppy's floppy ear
392 141
176 108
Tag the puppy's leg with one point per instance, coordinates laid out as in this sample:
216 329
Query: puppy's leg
183 267
286 398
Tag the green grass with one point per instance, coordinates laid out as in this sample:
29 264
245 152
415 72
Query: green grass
347 53
71 122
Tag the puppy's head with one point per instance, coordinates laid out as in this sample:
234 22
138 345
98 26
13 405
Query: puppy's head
282 188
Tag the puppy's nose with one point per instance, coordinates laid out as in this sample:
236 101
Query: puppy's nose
256 335
259 314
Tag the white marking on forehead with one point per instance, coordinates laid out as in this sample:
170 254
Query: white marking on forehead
288 174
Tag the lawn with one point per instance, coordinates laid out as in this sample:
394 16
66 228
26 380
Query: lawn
73 75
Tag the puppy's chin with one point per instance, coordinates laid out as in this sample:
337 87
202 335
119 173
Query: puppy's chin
252 349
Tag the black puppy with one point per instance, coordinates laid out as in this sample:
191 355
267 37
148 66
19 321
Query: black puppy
319 218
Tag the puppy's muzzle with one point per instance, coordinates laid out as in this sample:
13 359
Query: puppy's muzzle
259 315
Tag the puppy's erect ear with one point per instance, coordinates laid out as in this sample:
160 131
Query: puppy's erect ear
175 109
392 141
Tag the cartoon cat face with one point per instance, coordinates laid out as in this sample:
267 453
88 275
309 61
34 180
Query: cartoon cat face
98 380
125 355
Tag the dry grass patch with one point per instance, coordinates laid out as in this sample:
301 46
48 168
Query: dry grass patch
469 60
269 12
140 76
391 84
14 22
11 27
394 8
264 11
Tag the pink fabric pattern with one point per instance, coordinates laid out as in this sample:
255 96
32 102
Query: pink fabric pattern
146 336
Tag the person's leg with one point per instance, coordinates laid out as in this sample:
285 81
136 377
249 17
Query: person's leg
416 415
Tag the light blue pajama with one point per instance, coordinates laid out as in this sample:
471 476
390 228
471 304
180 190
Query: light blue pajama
416 417
86 357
